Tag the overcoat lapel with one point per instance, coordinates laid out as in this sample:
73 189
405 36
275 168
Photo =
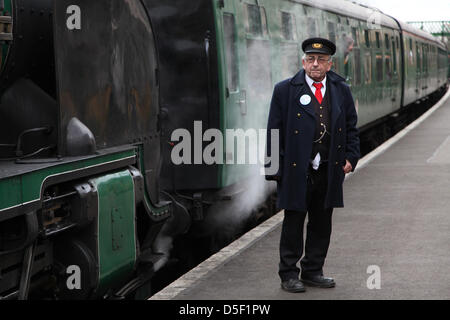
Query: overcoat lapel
336 103
300 89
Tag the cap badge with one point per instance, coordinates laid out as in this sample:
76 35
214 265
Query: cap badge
317 45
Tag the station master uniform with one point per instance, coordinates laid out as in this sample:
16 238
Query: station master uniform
317 138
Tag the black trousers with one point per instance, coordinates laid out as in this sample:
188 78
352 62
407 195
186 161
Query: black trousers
318 231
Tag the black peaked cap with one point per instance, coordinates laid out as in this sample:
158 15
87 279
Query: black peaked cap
319 45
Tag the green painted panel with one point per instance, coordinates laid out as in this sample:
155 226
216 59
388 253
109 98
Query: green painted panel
116 227
10 192
27 188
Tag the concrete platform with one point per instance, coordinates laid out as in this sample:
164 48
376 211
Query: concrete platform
396 220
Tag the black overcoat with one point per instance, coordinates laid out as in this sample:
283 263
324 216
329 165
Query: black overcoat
297 125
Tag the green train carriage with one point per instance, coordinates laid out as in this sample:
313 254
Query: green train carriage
374 65
243 48
219 61
258 44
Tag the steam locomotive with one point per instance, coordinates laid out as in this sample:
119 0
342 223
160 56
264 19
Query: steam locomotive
92 204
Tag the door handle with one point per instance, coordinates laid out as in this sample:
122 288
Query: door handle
242 102
243 106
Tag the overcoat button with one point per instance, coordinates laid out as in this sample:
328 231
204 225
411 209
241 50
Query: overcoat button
294 164
299 115
340 129
296 131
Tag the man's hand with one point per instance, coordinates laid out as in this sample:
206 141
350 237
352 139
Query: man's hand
348 167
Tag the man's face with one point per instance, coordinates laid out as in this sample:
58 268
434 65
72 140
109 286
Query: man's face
317 65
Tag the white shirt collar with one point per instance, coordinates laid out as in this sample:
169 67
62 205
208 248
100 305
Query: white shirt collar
310 82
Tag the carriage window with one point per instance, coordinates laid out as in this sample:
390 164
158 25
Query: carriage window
394 57
348 49
418 57
388 68
262 11
230 51
357 57
260 79
256 23
368 68
425 58
441 58
254 20
366 38
386 41
411 58
379 66
290 63
311 27
336 65
288 26
355 37
331 32
377 36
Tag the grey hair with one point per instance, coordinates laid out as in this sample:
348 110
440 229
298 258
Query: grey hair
329 60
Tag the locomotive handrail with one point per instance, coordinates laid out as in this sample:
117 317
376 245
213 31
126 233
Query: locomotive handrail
47 130
207 44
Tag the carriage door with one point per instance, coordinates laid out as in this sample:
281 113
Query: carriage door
234 96
418 71
396 95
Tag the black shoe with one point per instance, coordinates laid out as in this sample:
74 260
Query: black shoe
319 281
293 285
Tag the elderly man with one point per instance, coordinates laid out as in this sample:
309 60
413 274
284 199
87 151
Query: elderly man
318 145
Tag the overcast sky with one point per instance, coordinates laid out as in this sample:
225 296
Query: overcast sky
413 10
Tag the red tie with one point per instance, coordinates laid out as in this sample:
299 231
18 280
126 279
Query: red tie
318 86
